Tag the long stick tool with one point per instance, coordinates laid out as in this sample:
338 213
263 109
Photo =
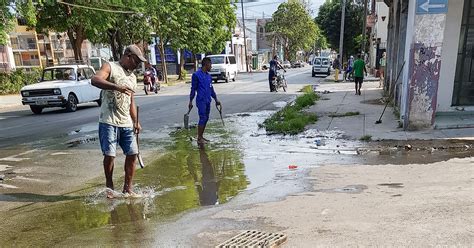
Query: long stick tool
140 160
186 118
219 108
388 100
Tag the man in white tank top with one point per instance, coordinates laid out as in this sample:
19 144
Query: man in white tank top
118 117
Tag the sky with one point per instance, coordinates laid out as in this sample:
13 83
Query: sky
260 8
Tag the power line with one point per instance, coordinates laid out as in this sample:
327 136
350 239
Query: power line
136 12
262 4
98 9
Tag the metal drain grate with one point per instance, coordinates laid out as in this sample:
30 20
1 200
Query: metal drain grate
253 238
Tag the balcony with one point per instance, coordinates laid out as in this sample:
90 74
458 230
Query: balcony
31 62
24 46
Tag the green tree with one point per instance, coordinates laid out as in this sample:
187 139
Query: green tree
8 10
6 21
79 23
194 25
329 19
293 27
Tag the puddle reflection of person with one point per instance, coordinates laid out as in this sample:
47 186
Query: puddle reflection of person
121 219
209 186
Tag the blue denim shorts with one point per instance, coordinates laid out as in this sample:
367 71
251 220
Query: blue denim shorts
110 135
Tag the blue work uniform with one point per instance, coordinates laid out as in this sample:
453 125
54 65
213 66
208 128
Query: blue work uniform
201 82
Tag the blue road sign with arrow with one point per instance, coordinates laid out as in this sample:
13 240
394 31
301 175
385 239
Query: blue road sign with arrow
431 6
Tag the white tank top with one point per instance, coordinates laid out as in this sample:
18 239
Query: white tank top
115 109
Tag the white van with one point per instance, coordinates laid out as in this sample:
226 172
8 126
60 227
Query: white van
224 67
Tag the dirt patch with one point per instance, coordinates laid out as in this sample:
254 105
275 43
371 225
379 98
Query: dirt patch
433 207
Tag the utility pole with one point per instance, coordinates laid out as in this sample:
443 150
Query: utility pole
364 30
245 37
341 38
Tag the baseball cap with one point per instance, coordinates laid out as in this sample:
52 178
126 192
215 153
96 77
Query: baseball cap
134 49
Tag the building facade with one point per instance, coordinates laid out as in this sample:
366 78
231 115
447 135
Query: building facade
431 47
379 28
28 49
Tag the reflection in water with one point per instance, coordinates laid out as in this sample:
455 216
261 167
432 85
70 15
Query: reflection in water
133 214
209 187
182 178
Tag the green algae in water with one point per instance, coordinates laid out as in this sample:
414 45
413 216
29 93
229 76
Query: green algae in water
185 176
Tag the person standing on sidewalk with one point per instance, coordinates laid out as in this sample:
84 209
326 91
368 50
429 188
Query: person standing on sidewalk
382 64
201 83
118 116
359 69
336 65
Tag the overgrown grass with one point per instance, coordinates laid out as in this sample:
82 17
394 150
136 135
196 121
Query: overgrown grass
307 89
345 114
366 138
292 119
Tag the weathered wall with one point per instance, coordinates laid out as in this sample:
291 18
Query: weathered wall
449 55
424 69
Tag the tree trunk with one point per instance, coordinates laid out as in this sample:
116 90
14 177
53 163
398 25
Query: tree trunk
113 46
120 47
195 62
273 47
163 61
76 43
286 51
181 65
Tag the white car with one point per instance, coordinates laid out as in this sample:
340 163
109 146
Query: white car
224 67
61 86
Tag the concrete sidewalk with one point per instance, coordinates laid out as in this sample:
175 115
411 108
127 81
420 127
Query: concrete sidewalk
369 78
10 101
340 98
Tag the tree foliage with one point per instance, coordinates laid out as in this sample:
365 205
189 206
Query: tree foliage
329 19
293 27
195 25
79 23
192 25
6 21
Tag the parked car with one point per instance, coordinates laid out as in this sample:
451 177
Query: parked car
321 65
297 64
286 64
224 67
61 86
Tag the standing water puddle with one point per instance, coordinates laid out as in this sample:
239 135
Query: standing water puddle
178 177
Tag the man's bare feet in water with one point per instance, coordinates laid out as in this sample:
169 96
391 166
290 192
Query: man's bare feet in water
109 193
131 194
202 140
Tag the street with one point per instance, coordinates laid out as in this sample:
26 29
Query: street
53 192
45 158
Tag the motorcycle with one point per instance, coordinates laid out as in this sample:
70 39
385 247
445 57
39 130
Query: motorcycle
149 85
280 81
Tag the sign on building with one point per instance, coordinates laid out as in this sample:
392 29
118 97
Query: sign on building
431 7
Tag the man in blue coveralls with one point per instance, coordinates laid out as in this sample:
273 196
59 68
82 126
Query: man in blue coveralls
201 82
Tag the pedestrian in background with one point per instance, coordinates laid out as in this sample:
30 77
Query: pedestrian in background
336 65
118 115
382 64
201 83
359 69
272 72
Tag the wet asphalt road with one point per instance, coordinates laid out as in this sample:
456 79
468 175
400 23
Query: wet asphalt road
248 94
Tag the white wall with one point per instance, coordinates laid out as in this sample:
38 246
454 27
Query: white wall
381 26
449 56
406 68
